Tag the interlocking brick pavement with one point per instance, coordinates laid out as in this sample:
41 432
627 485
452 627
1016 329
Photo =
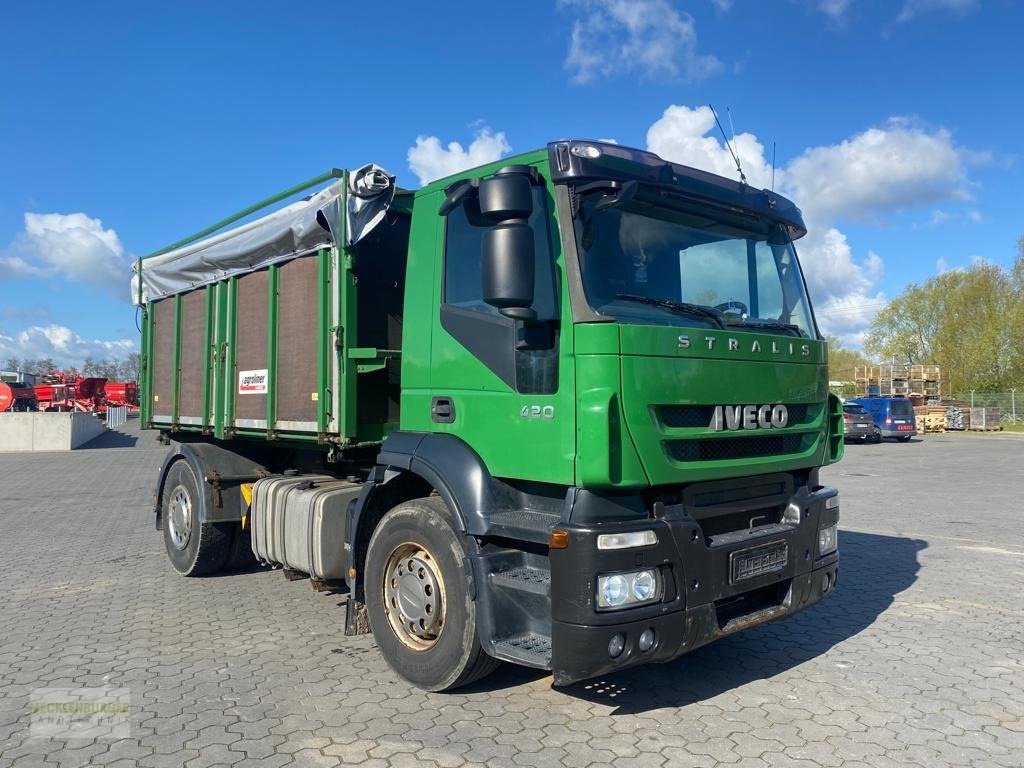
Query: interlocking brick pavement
918 659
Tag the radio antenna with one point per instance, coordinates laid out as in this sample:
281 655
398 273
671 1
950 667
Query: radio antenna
773 166
736 160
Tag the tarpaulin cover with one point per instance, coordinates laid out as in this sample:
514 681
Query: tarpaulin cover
300 228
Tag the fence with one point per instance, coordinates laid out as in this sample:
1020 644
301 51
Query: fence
117 416
1009 406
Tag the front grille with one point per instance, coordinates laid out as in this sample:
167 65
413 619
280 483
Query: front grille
690 416
725 448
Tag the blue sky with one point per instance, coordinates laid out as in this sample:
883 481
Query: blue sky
124 126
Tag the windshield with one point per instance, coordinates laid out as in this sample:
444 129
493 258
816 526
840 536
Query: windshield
649 264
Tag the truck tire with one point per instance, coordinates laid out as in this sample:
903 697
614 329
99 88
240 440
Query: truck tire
418 596
195 548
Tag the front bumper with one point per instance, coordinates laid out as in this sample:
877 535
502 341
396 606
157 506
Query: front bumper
700 604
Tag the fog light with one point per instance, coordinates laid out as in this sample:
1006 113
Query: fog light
826 582
616 645
828 540
615 590
646 641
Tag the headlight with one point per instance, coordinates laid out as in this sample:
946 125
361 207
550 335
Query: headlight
614 591
828 540
625 590
644 585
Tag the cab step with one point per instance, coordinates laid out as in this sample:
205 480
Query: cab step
529 648
525 579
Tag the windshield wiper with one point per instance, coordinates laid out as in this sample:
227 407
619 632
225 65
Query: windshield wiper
770 325
681 307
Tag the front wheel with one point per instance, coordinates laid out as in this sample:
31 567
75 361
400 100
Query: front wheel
195 548
418 598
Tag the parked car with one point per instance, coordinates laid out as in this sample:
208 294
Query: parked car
858 424
894 416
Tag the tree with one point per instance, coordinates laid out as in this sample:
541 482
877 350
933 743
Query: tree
841 361
129 369
968 321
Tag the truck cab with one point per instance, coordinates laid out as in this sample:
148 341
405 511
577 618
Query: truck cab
597 443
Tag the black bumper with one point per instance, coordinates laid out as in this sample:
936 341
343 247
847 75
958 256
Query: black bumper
700 603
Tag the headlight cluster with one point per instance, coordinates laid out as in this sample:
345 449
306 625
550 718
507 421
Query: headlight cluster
625 590
828 540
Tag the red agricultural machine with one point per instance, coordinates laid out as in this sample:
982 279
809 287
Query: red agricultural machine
70 391
122 393
17 396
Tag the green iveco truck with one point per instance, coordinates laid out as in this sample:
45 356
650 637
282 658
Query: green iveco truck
565 410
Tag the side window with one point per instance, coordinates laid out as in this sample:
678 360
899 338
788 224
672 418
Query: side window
463 240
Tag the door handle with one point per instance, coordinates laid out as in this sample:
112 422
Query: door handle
442 410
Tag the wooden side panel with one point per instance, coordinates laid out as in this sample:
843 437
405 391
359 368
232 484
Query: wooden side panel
193 359
251 344
296 379
163 359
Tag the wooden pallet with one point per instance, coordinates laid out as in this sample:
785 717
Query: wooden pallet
931 418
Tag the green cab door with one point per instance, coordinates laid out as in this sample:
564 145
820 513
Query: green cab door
502 385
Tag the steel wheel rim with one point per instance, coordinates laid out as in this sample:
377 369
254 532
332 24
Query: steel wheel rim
414 596
179 517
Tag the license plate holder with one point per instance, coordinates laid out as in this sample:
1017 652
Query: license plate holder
757 561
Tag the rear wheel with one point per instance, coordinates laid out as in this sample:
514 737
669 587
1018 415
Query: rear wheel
195 548
418 598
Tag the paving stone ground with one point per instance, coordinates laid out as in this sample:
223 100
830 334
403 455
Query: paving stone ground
918 659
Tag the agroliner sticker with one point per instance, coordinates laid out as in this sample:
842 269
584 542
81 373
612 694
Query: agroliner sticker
252 382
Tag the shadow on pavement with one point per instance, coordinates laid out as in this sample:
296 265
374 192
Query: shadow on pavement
874 569
110 439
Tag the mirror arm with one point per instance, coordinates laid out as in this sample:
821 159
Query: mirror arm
456 193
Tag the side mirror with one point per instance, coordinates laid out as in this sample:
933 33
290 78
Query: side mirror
507 255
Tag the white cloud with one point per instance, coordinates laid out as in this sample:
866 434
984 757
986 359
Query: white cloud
649 38
430 161
913 8
722 6
681 135
880 171
834 9
72 246
61 344
974 217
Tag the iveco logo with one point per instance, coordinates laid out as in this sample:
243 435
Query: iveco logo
749 417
